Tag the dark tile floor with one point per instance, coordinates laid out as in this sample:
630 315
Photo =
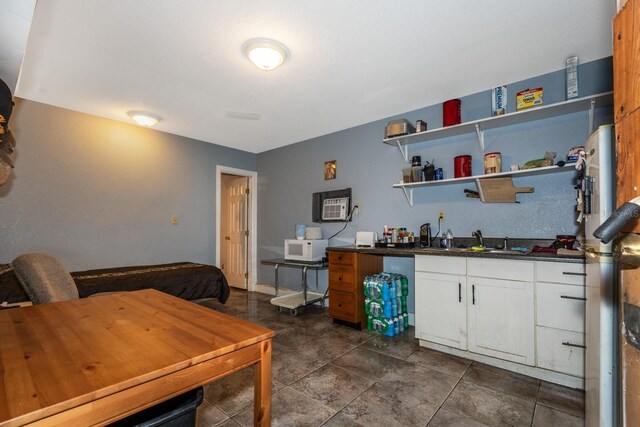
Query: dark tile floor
331 375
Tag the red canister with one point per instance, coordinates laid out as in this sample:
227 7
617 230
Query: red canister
462 166
451 112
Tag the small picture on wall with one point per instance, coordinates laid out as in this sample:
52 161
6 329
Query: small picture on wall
330 170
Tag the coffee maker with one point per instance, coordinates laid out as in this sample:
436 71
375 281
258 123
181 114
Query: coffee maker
425 235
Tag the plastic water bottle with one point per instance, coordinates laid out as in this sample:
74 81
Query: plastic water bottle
387 310
385 291
401 321
404 285
390 328
396 325
406 321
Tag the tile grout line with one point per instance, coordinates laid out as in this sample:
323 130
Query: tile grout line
453 388
535 406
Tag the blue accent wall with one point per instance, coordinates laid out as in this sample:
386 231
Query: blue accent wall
99 193
289 175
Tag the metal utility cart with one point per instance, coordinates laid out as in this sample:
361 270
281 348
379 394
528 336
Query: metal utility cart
304 297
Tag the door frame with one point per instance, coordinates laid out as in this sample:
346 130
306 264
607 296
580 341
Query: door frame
253 220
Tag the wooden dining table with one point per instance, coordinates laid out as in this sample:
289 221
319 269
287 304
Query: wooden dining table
96 360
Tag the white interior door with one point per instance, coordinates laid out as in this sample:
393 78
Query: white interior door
234 230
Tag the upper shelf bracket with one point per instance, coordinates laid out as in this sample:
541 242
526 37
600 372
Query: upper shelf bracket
591 116
480 135
408 193
404 150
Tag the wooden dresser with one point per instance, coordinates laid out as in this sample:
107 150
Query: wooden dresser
347 271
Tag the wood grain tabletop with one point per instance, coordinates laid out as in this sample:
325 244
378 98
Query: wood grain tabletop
61 355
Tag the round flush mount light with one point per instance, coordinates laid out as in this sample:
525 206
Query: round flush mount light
266 54
144 118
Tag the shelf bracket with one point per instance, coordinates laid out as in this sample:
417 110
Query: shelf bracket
404 151
480 135
591 115
409 195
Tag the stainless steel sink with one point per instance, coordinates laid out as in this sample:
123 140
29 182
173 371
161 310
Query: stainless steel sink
435 249
506 251
470 250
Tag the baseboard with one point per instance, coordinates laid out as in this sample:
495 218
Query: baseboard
270 290
543 374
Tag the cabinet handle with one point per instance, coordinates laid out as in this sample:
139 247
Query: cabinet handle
339 278
571 273
568 344
459 292
473 294
575 298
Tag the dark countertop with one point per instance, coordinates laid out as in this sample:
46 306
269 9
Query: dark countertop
411 252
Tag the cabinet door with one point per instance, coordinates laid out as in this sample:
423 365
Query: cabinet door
441 315
501 321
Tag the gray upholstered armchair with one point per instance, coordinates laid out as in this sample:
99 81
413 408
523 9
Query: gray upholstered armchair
44 278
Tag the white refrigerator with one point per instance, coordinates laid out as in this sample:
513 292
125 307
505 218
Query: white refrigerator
601 305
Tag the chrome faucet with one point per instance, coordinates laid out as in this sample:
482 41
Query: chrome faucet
478 235
505 243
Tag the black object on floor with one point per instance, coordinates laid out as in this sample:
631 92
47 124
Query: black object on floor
179 411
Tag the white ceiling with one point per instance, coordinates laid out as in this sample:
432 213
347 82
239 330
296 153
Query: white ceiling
15 20
351 62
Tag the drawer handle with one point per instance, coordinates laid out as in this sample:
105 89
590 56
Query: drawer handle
568 344
473 294
459 292
571 273
575 298
339 278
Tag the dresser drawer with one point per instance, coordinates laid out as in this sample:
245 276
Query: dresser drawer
342 278
560 306
342 305
559 351
342 258
559 272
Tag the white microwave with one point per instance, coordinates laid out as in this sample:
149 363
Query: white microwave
308 250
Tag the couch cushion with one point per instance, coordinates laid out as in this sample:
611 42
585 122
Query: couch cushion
44 278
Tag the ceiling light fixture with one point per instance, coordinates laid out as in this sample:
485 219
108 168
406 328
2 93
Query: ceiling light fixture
266 54
144 118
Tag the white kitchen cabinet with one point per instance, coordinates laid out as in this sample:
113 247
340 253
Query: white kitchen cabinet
441 300
501 319
442 313
560 317
561 351
527 316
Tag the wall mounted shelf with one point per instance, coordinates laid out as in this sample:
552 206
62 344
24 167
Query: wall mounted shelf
408 188
587 103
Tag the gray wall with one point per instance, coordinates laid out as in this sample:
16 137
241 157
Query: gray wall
99 193
289 175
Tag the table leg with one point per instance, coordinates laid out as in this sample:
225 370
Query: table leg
304 284
262 387
276 274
